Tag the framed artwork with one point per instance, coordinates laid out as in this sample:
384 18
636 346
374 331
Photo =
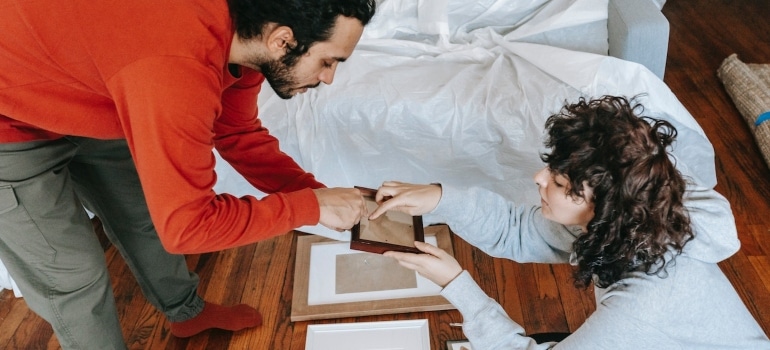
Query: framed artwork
332 281
458 345
393 230
402 335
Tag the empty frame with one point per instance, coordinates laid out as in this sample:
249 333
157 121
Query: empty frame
393 230
333 281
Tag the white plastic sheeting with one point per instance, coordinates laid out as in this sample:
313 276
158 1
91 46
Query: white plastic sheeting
6 282
457 92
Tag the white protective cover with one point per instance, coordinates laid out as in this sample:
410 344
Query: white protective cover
457 92
7 282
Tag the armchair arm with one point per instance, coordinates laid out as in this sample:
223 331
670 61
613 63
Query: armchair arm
638 32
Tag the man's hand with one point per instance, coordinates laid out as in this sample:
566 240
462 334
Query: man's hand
341 208
408 198
436 265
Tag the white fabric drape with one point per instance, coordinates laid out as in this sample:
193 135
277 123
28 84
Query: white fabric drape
457 92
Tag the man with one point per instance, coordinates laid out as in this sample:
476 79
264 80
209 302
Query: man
96 97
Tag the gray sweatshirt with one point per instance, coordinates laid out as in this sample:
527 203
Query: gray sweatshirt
694 306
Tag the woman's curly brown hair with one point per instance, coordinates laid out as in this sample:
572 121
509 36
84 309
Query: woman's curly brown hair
637 191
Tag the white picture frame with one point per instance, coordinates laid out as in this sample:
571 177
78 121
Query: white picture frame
357 304
391 335
321 287
458 345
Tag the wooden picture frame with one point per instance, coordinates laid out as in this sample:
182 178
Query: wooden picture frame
304 307
393 230
407 335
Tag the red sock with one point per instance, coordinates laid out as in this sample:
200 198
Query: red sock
231 318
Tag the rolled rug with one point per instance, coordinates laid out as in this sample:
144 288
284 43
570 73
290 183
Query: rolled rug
749 87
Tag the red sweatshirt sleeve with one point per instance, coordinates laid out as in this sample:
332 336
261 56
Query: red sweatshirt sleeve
242 141
168 107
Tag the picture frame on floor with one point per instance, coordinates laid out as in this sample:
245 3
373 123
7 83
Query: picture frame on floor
332 281
462 344
406 335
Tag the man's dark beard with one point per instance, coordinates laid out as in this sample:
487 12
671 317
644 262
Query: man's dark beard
279 74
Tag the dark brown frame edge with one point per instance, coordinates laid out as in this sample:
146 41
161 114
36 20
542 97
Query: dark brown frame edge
357 243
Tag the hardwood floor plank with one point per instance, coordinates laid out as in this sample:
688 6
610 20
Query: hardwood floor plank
762 265
53 343
15 331
750 286
537 309
33 332
754 240
508 293
577 304
6 305
159 338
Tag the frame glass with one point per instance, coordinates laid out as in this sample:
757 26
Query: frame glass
393 230
406 335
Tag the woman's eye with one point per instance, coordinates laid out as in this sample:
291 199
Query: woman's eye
560 181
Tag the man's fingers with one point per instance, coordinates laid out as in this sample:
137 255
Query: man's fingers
364 209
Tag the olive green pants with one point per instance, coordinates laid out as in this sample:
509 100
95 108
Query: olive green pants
49 247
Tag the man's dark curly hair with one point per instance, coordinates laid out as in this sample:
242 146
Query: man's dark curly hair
637 191
311 21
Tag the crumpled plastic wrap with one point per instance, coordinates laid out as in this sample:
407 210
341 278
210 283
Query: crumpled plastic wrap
7 282
457 92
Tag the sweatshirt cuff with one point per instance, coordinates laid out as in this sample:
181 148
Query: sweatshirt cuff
443 209
304 207
466 295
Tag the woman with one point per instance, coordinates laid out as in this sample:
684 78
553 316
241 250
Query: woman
614 205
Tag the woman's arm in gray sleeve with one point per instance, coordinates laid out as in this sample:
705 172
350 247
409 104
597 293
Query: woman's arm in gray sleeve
503 229
485 323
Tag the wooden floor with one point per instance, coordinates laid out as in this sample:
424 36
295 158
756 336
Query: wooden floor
703 33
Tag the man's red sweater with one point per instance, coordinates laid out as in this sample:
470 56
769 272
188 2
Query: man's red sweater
154 72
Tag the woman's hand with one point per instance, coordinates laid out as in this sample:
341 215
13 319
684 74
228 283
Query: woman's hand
407 198
436 265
